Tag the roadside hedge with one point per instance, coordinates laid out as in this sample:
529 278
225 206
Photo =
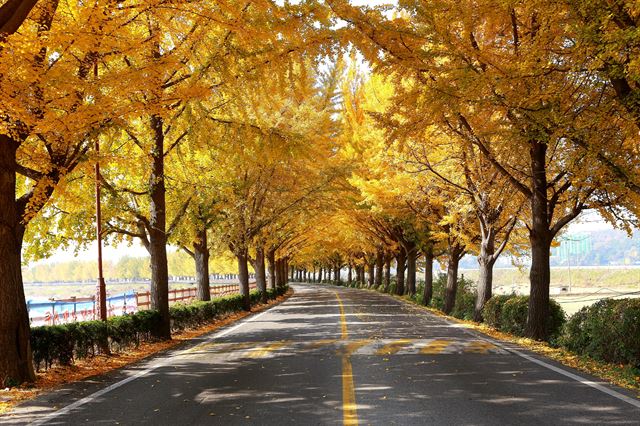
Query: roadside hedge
608 330
465 296
63 344
509 314
492 311
198 313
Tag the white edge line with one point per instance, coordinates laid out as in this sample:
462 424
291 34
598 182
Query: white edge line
577 378
598 386
162 363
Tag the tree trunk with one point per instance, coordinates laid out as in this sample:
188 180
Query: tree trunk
293 271
350 275
279 278
387 274
428 276
261 279
243 276
283 274
201 257
16 365
540 239
412 254
371 269
285 265
455 253
401 260
485 279
379 266
157 233
336 275
271 260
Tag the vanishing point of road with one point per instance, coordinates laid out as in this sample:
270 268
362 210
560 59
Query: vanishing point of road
332 355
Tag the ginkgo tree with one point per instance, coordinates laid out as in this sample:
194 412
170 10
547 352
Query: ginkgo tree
57 98
475 185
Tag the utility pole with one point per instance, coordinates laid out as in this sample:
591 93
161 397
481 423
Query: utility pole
101 290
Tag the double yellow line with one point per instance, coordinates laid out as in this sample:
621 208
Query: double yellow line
349 406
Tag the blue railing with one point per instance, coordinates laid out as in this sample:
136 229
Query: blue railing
56 311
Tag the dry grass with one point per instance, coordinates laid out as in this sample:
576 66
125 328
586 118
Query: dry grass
83 369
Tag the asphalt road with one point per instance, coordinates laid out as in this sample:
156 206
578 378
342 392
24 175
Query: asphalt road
339 356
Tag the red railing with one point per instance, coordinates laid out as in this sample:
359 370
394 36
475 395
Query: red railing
60 311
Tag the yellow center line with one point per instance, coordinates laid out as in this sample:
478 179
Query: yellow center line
343 320
349 405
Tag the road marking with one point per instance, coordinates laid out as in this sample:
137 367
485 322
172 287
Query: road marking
435 347
479 347
579 379
316 344
343 321
352 347
379 347
394 347
165 361
263 351
349 405
586 382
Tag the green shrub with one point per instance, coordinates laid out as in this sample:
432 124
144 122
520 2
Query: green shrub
122 331
514 315
419 296
465 300
63 343
465 297
492 311
50 344
512 318
608 330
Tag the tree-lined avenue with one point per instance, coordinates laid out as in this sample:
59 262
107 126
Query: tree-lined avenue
330 355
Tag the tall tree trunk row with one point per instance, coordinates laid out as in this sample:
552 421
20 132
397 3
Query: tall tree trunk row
16 364
201 257
157 246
